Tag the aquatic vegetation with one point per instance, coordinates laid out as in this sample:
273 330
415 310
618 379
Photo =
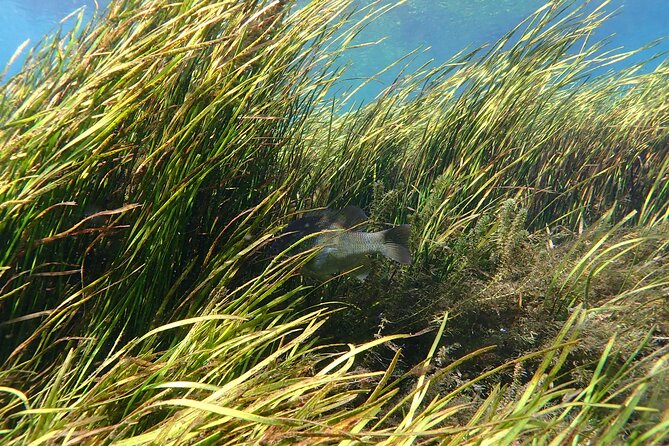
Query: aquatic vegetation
146 162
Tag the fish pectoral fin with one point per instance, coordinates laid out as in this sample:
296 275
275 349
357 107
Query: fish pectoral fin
362 271
362 275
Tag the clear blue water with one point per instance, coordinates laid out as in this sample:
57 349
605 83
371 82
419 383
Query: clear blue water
31 19
445 26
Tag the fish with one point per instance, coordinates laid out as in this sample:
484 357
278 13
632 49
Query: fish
343 247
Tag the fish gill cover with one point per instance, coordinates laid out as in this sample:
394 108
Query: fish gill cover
148 160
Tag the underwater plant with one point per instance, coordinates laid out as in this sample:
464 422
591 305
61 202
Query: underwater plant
149 157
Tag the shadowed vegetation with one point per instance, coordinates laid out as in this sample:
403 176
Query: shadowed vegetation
147 159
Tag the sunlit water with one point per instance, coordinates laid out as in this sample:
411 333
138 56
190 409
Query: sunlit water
440 27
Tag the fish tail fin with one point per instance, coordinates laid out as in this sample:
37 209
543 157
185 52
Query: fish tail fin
396 243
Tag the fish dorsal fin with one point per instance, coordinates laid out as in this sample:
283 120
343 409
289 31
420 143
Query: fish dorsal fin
348 217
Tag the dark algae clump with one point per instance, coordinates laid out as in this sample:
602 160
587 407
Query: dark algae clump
150 160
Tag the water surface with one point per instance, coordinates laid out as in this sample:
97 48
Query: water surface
440 27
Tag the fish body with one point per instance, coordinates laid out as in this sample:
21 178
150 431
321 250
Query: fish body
343 247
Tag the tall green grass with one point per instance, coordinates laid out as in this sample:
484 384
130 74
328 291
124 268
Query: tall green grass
147 158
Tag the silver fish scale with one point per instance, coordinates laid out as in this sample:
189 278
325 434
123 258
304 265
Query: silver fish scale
344 244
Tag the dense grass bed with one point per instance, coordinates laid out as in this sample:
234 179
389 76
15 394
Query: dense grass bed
147 159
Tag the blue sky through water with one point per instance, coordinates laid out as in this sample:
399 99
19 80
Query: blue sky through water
445 26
